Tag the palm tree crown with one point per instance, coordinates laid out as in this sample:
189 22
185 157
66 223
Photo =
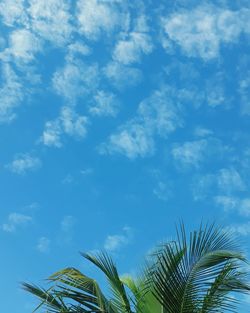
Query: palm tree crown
194 274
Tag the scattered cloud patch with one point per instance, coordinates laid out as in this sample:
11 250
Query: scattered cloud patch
234 204
190 153
66 232
51 20
105 104
24 163
43 245
132 140
97 17
23 45
11 93
163 191
122 76
69 122
202 31
229 180
202 132
87 171
128 51
156 115
241 229
114 243
67 223
244 91
15 221
75 80
13 12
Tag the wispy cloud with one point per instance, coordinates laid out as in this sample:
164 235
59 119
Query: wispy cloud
16 220
11 93
43 244
24 163
115 242
163 190
234 204
23 46
131 49
51 20
122 76
69 123
104 104
244 91
242 229
75 79
202 31
98 17
156 115
67 223
224 186
229 180
13 12
67 226
190 153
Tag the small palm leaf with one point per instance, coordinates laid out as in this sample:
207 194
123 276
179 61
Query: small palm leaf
106 265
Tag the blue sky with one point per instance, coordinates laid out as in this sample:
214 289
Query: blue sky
118 119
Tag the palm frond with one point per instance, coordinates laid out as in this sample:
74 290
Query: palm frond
106 265
186 269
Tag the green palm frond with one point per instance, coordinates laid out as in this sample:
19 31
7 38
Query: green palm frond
187 271
192 274
120 298
48 299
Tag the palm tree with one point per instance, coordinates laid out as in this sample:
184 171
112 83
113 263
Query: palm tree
198 274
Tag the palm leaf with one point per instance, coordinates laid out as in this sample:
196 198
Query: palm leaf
186 269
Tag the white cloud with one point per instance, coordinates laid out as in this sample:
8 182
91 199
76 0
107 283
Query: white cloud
232 203
105 104
201 31
162 191
241 229
68 179
87 171
67 223
67 229
43 244
229 180
77 49
245 207
95 17
223 186
122 76
52 134
133 140
23 45
72 123
116 242
156 115
228 203
69 122
190 153
74 80
11 93
16 220
202 132
13 11
203 186
23 163
51 20
244 91
128 51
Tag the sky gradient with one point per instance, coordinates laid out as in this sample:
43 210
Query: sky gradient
117 119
